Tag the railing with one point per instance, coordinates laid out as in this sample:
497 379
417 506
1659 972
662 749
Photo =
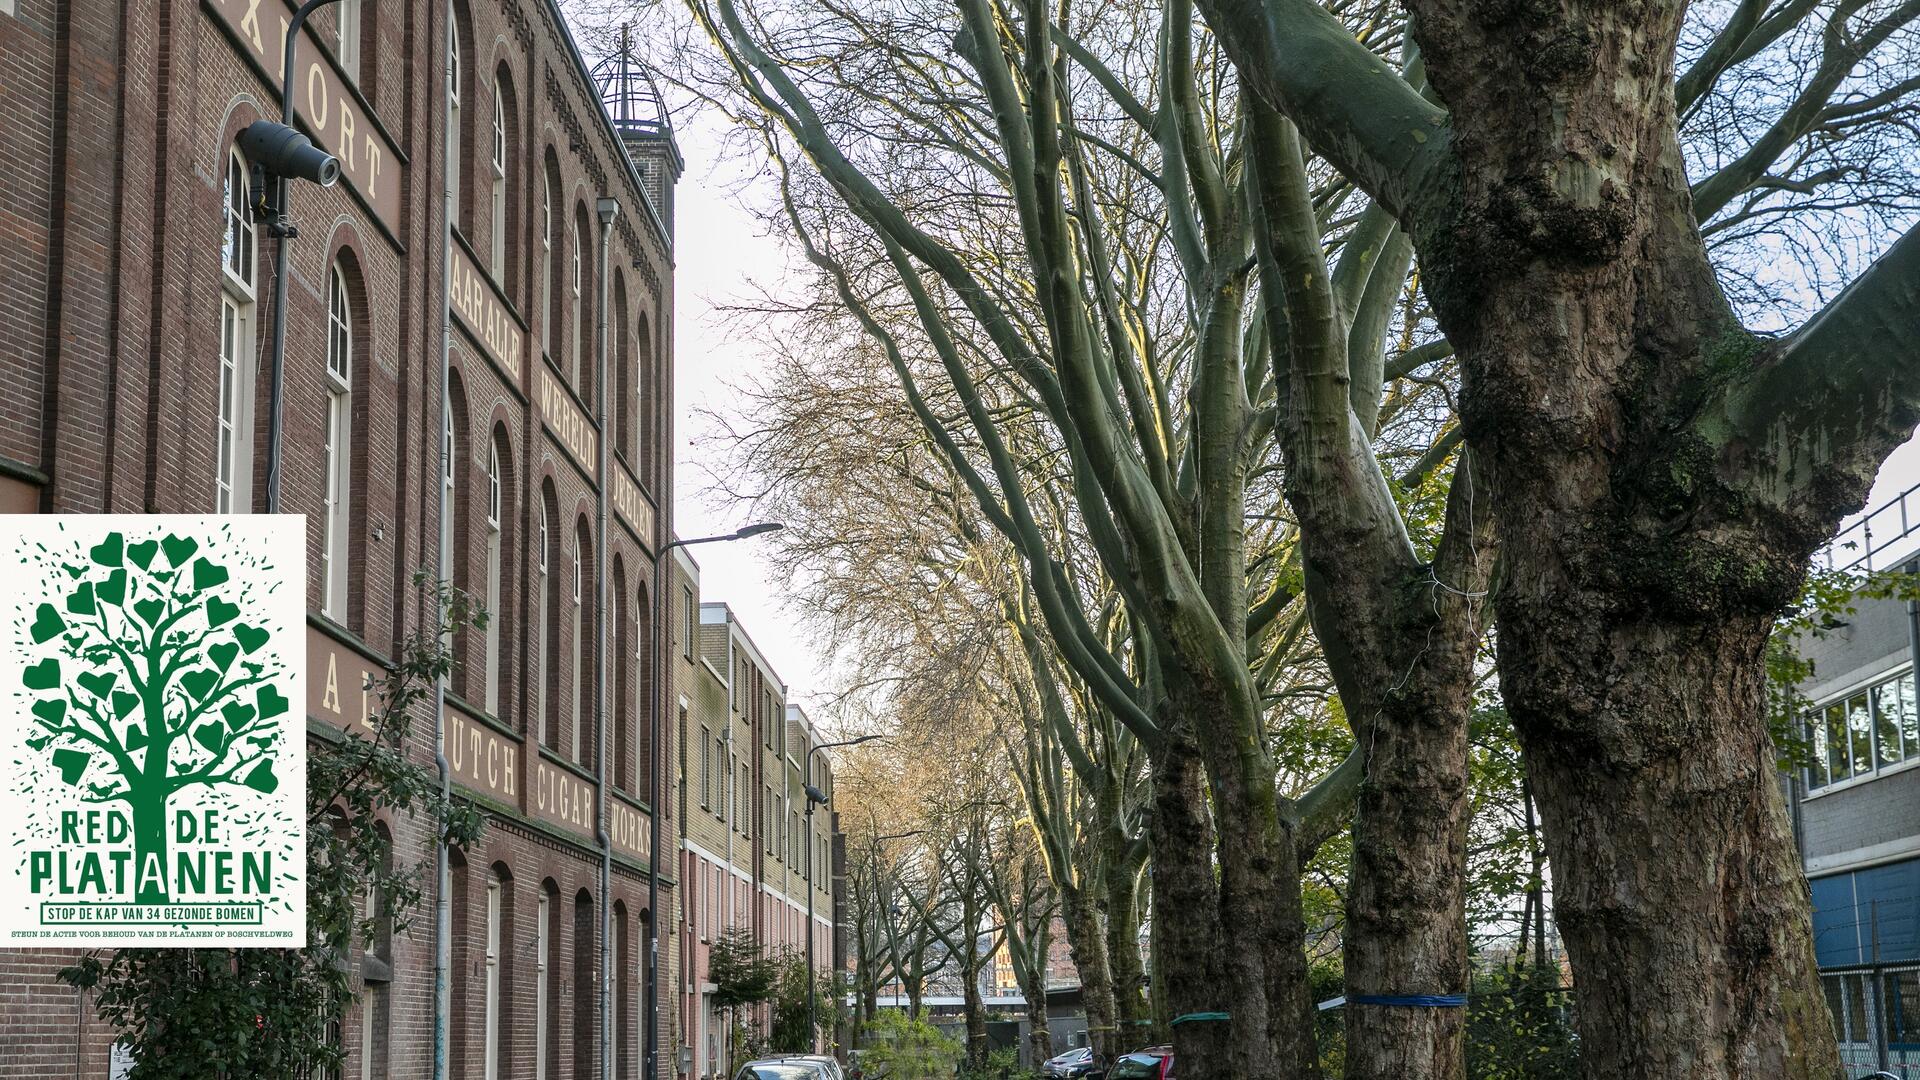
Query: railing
1858 545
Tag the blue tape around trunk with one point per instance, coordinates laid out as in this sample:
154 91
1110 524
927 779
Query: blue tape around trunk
1415 1001
1194 1017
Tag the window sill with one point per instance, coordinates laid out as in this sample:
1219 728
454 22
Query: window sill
1861 780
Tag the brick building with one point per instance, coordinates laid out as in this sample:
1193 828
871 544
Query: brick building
490 212
746 848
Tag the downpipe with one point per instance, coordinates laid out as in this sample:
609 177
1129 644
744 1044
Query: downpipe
443 902
608 209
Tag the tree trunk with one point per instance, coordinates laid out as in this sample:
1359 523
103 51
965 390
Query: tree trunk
1086 943
1131 1016
150 850
1190 947
1406 916
976 1015
1644 561
1039 1034
1677 888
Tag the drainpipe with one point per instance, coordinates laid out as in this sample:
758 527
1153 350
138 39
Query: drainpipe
608 209
443 898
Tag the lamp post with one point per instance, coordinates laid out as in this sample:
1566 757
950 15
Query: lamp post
816 797
652 987
284 154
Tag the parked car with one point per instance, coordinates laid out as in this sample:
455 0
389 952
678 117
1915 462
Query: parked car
832 1066
1070 1065
787 1068
1153 1063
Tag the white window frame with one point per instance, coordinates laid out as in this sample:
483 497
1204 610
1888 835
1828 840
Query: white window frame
579 651
1819 738
573 314
335 561
455 69
498 242
494 511
347 50
233 420
541 948
540 629
490 1053
546 264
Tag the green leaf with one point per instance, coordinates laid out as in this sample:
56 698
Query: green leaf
123 703
142 553
220 613
136 737
206 574
271 703
209 735
223 654
46 623
150 610
99 684
261 779
52 710
114 589
71 763
237 713
107 552
250 638
199 682
43 675
80 601
179 549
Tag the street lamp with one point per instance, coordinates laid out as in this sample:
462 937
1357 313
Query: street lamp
652 987
817 797
282 153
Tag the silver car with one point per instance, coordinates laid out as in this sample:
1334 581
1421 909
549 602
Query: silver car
792 1067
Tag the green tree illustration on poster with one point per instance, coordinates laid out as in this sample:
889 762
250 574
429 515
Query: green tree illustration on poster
149 681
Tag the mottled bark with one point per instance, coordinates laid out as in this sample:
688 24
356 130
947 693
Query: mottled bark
1191 945
1122 877
1086 943
1640 586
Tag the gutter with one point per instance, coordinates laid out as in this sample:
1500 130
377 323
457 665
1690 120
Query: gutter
443 891
607 209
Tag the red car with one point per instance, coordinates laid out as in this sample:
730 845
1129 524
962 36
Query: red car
1153 1063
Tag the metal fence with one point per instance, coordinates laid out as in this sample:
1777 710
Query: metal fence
1876 541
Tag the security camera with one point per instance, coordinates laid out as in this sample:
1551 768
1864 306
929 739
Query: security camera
282 151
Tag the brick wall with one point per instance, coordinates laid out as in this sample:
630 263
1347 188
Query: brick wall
115 123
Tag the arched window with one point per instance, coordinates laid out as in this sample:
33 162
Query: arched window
490 1048
620 409
645 408
577 699
446 486
456 150
622 993
620 768
233 428
335 561
574 283
542 946
546 264
347 45
498 161
495 514
585 1017
546 638
642 687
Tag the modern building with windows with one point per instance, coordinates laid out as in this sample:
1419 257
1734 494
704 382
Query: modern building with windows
504 215
1856 804
748 856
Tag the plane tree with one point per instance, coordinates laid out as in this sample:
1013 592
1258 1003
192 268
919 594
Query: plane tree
1658 472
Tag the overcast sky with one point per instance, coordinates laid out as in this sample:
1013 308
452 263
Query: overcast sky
721 254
